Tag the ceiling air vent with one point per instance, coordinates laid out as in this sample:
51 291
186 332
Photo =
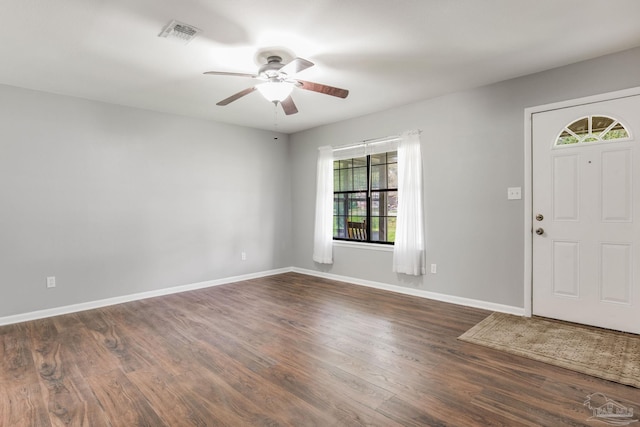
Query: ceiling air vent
179 31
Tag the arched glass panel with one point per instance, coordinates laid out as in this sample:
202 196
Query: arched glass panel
592 129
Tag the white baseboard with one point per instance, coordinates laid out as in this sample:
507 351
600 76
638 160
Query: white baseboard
74 308
519 311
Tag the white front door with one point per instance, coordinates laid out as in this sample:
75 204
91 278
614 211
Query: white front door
586 214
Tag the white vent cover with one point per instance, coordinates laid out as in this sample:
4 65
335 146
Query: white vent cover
179 31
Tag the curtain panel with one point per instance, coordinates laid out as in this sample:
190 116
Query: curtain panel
409 247
323 233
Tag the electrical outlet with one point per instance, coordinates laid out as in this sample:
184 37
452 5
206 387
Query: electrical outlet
243 256
51 282
434 268
514 193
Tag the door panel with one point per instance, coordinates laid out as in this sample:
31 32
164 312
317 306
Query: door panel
616 267
586 266
566 188
566 272
617 197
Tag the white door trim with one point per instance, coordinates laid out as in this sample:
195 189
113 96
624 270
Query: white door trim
528 177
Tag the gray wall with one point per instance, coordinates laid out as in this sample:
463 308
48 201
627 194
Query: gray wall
115 201
473 149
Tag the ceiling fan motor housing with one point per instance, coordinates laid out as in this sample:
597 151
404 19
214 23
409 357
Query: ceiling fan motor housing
271 69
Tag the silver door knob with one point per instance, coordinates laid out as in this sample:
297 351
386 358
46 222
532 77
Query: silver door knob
539 217
540 231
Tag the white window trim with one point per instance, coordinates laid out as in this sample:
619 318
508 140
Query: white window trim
360 245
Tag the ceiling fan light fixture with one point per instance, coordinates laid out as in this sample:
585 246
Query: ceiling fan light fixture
275 91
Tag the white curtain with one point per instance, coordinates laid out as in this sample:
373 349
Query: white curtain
323 235
409 246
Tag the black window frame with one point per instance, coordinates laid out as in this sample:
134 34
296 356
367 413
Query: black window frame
368 199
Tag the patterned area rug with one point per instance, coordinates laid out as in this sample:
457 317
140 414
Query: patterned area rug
611 355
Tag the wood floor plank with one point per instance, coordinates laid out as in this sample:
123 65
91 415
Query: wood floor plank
229 406
111 329
324 398
69 400
86 353
23 406
284 350
170 348
172 398
351 387
270 398
120 398
16 362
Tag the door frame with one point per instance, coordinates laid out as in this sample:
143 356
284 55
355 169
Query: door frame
528 177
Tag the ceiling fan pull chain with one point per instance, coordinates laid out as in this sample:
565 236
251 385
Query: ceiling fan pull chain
275 116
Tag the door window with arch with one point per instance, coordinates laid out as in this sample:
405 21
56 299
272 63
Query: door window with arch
594 128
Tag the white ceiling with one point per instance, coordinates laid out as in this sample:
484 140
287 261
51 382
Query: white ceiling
386 52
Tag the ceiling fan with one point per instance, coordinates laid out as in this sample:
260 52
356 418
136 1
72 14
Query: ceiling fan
279 82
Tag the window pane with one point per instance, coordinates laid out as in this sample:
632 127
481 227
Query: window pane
616 132
339 229
383 229
392 203
375 229
391 229
393 175
339 204
348 207
357 205
377 159
580 127
599 124
379 176
392 157
359 162
566 138
359 179
384 208
345 180
339 215
375 178
375 204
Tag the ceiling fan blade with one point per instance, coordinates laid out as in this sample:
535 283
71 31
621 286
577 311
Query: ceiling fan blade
327 90
225 73
295 66
289 106
236 96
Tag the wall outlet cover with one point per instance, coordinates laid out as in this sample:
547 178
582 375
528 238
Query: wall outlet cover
514 193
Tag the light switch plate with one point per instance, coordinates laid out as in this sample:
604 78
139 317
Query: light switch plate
514 193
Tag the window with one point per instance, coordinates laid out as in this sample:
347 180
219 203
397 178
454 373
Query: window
365 198
592 129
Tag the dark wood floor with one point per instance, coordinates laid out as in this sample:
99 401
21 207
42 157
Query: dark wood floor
282 350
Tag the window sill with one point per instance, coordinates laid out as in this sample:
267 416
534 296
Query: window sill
367 246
